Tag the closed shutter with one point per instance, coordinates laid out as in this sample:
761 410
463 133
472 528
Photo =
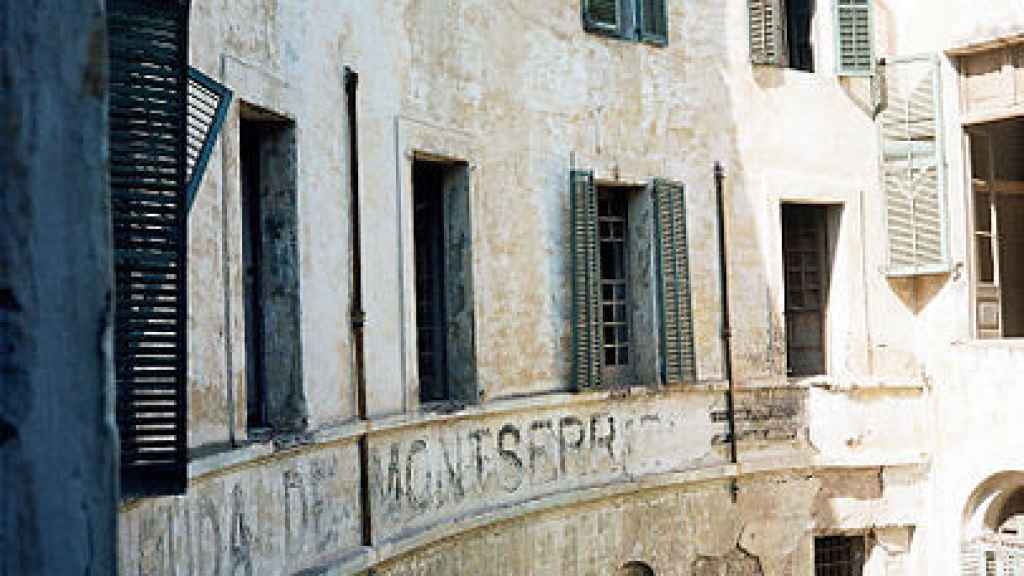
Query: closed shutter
653 22
765 32
208 102
586 282
912 167
854 40
602 16
676 334
148 123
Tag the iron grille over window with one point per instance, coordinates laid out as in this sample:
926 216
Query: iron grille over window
839 556
148 127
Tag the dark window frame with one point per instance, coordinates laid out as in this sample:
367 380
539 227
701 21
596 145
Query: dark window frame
633 23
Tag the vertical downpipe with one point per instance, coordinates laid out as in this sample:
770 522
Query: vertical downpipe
723 283
358 316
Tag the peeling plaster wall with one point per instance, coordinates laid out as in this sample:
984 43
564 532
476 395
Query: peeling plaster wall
519 92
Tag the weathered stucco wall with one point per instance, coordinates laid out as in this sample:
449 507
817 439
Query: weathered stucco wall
886 444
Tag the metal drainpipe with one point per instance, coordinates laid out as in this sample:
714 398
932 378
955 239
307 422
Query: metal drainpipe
358 315
723 282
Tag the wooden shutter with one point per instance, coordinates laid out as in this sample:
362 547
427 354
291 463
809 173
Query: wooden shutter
972 560
765 31
653 22
854 38
208 102
586 282
676 334
148 124
602 16
912 167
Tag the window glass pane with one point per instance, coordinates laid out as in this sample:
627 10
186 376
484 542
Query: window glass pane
982 212
986 265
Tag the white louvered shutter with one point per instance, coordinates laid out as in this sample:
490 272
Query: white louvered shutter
676 335
765 32
972 560
912 167
586 282
854 38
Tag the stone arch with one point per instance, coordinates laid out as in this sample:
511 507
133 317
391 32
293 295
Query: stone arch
635 568
992 528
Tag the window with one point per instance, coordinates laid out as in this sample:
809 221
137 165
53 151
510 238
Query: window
997 155
442 235
275 398
640 20
147 102
630 284
839 556
807 265
781 33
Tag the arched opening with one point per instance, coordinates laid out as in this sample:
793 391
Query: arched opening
635 569
993 527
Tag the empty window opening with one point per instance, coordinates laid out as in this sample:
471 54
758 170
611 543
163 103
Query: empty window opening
839 556
442 236
274 397
612 219
799 19
807 263
997 167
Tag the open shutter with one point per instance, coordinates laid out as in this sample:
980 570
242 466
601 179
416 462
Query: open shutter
208 102
854 38
148 124
653 22
765 31
912 167
602 16
586 282
676 334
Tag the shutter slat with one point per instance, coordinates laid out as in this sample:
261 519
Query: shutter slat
147 104
208 103
587 336
674 299
912 170
765 32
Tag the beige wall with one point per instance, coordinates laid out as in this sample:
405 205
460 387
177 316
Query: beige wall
519 91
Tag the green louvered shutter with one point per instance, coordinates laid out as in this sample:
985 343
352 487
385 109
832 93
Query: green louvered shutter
765 32
208 102
676 334
586 282
148 127
854 38
602 16
913 171
653 22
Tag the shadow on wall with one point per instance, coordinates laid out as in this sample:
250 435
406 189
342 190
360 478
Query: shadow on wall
916 292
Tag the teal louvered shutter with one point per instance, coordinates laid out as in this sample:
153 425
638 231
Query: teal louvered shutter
148 41
913 170
653 22
854 38
678 364
603 16
586 282
765 31
208 102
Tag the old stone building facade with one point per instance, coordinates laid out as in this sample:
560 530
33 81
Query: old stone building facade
537 381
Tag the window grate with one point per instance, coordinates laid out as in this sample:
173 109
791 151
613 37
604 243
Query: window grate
612 221
839 556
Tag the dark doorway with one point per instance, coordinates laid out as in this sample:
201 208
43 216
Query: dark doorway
807 264
799 18
444 289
